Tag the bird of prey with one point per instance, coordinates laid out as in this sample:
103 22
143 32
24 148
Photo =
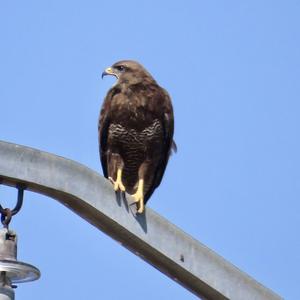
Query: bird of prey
136 126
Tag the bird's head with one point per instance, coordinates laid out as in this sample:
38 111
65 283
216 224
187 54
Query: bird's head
128 71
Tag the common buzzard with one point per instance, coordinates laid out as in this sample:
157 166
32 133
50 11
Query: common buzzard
136 126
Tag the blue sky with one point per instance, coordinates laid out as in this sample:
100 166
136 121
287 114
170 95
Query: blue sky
232 69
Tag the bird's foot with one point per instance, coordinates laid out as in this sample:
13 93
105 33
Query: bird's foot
118 184
139 197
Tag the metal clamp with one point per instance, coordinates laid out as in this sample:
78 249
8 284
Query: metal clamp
7 213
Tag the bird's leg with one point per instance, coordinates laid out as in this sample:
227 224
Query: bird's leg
115 170
118 184
139 194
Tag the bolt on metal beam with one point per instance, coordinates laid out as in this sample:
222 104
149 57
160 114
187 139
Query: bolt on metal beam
149 235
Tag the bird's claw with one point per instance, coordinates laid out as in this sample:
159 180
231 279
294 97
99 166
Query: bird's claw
118 185
139 200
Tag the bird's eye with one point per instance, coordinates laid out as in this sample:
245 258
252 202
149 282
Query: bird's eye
120 68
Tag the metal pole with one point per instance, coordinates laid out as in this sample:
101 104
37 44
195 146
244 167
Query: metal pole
149 236
6 290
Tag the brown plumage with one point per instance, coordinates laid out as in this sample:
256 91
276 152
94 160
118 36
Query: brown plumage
136 127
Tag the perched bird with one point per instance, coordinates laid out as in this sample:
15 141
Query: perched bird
136 126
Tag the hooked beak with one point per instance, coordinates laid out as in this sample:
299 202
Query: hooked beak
109 71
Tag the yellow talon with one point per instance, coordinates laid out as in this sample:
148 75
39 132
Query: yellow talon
139 196
118 184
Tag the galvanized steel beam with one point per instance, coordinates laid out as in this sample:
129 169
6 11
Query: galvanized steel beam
149 236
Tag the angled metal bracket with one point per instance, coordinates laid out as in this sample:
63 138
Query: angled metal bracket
149 236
